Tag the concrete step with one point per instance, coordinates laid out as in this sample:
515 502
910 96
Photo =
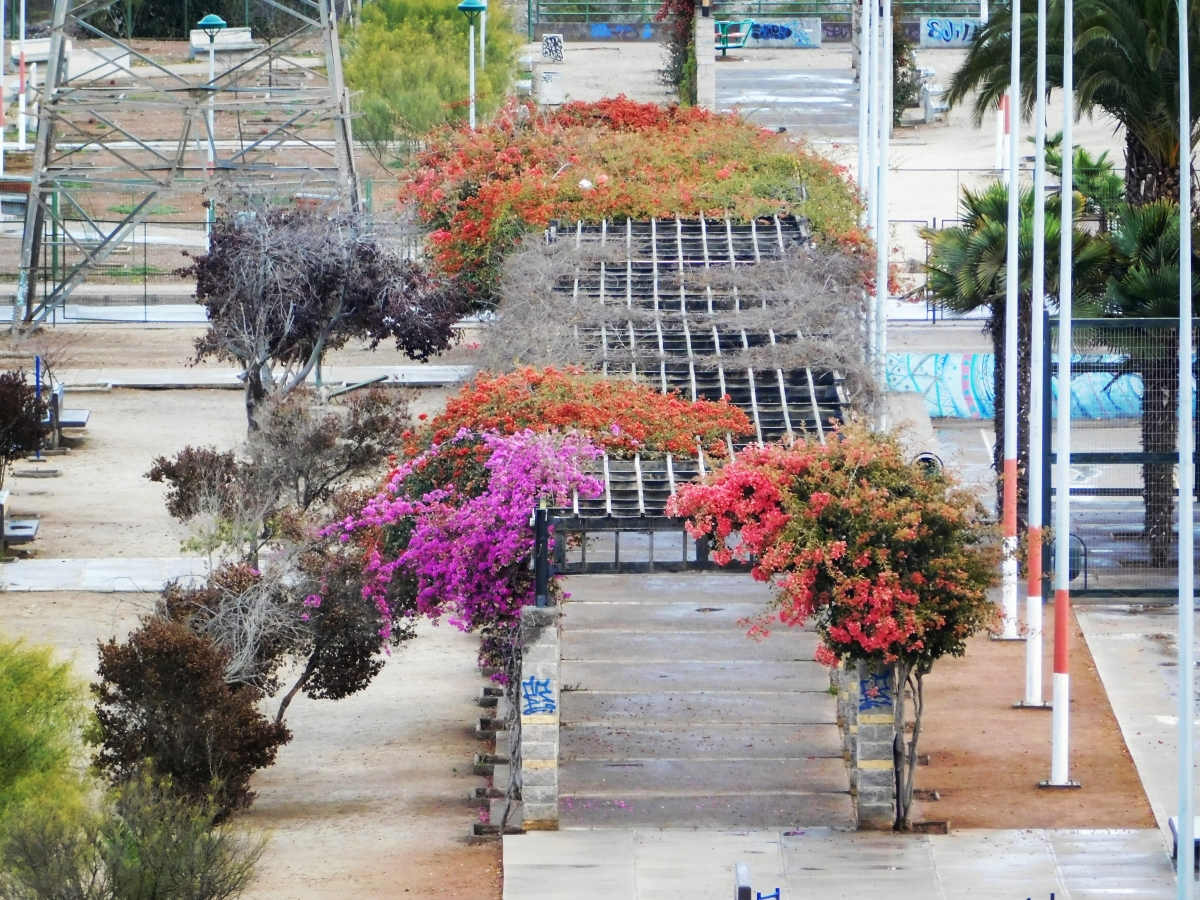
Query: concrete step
703 810
678 646
686 777
670 588
700 614
629 708
589 675
639 741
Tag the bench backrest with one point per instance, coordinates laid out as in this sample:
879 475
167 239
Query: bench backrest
227 39
36 50
56 402
3 511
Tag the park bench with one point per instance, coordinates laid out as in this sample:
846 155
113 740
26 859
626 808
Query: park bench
733 35
230 40
37 50
1173 822
61 418
933 102
15 531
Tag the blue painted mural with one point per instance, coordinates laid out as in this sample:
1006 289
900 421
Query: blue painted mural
960 386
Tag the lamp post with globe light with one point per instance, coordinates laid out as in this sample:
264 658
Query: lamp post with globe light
212 26
471 9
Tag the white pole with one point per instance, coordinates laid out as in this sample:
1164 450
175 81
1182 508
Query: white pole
1012 371
864 99
471 54
1001 113
1059 757
483 39
871 179
1187 665
33 83
883 230
21 85
4 51
1033 603
983 11
212 76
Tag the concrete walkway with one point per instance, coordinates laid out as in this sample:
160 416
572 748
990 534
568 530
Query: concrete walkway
185 377
820 864
105 576
673 717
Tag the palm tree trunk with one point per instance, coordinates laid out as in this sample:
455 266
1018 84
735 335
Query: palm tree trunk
1147 179
1160 394
996 327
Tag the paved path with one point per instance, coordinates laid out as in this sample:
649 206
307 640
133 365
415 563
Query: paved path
185 377
105 576
821 864
1135 654
673 717
817 102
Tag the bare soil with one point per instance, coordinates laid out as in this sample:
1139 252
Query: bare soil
986 758
370 797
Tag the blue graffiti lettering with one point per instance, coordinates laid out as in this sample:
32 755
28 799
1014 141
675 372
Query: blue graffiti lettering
538 696
875 691
600 31
950 31
768 31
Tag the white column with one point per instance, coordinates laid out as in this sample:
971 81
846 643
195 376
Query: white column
1012 370
864 100
1037 337
21 84
471 54
483 39
1187 472
883 229
1060 731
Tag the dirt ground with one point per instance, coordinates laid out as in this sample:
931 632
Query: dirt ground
986 758
370 797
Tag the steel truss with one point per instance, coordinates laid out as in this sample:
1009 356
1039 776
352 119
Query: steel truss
95 122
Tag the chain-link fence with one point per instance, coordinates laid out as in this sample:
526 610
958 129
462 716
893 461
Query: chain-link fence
1124 463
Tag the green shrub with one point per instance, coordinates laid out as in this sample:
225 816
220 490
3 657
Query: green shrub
41 713
409 60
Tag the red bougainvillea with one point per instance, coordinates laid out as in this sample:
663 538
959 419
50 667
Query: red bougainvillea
618 416
479 192
890 561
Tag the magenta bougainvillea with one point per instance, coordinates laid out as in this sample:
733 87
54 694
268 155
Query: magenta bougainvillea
463 542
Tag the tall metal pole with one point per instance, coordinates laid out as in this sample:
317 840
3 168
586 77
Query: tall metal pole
882 229
1037 363
483 39
1059 757
471 54
212 76
864 99
871 181
21 84
1012 372
1187 472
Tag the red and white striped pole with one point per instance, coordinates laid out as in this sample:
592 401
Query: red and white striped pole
1037 364
1012 375
1060 755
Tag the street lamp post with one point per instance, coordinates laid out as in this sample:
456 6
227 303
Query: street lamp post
212 26
471 9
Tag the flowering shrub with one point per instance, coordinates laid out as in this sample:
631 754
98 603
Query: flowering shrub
479 192
618 416
888 559
466 550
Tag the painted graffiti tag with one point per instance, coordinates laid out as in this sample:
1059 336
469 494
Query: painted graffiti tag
943 32
769 31
552 47
538 695
875 691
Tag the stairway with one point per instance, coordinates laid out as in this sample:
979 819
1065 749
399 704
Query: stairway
671 716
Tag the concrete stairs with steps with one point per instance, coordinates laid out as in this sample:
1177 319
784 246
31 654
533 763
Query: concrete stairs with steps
673 717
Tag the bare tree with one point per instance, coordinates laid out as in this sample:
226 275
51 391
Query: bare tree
283 286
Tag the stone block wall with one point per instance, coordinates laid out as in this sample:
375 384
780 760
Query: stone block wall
874 742
538 696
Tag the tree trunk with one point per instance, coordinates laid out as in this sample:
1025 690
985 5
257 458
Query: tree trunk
996 326
255 394
1147 179
905 752
1160 404
300 683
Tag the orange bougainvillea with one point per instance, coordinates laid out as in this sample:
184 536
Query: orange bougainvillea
621 417
479 192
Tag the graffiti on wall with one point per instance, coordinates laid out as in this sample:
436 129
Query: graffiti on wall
552 47
616 31
960 386
793 33
946 32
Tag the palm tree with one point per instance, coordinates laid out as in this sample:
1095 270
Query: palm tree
966 271
1145 284
1126 65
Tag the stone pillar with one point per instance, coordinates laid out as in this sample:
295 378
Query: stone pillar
706 62
538 696
876 782
845 679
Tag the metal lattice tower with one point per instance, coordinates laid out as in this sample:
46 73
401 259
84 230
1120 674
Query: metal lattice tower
117 121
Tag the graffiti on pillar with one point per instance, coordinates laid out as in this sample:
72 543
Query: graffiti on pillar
774 896
875 691
538 696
